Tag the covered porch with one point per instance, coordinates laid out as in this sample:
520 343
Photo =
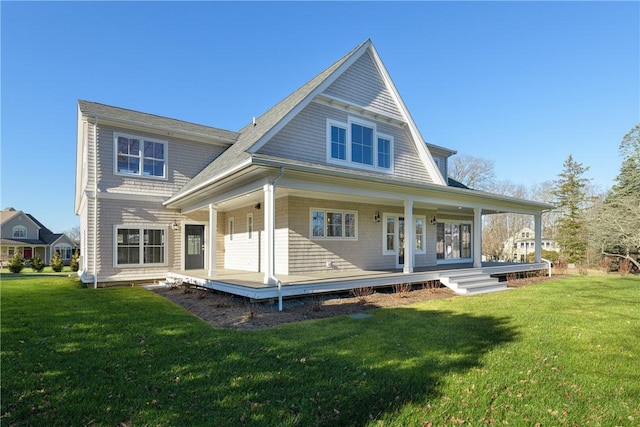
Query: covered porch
463 278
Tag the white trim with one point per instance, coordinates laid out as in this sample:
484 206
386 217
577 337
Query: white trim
324 236
19 227
142 139
250 227
141 227
130 197
424 234
385 219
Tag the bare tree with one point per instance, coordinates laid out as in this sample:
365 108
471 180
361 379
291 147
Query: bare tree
73 234
474 172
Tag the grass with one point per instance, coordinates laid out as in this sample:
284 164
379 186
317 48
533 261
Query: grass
561 353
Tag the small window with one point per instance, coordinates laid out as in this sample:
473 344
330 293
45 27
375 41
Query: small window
338 143
140 156
384 153
250 226
19 232
231 228
332 224
420 234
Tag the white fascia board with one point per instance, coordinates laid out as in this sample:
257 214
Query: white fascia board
302 104
80 165
227 195
210 181
420 144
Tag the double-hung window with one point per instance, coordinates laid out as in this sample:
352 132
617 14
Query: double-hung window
140 245
333 224
140 156
358 143
19 232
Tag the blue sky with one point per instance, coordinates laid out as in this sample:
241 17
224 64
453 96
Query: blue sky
522 83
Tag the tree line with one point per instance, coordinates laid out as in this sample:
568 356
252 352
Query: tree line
588 224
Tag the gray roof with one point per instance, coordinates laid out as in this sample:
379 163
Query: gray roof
124 115
250 134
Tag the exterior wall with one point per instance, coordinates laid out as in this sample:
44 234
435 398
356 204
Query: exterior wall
362 85
312 255
305 139
184 160
23 220
116 212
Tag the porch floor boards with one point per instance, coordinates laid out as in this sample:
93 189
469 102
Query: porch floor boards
250 284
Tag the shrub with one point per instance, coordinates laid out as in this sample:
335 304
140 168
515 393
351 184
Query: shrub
624 267
37 264
16 263
402 289
56 262
75 264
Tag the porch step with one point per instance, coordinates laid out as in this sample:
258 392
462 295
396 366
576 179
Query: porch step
472 283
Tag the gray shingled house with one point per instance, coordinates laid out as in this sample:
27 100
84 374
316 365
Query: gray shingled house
332 188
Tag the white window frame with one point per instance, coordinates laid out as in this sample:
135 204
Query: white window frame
423 236
326 211
385 234
250 226
456 260
18 228
348 149
231 224
141 229
142 139
67 248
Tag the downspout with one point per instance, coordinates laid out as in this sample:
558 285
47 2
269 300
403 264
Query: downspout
95 202
278 281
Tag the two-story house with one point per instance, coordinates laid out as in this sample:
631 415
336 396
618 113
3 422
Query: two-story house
21 232
335 178
523 244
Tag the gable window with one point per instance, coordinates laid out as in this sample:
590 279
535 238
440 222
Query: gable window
338 142
361 144
140 156
333 224
358 143
140 246
19 232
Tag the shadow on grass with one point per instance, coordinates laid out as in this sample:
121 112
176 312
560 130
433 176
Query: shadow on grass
128 356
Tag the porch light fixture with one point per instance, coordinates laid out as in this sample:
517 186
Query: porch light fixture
376 217
433 220
174 226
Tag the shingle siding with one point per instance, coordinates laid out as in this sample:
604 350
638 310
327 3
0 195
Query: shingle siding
362 85
184 160
305 139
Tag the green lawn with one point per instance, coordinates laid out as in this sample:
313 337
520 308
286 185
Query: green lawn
566 352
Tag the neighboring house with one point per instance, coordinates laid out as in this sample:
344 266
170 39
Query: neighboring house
335 177
523 243
22 232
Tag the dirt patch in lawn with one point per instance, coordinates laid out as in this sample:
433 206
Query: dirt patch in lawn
227 311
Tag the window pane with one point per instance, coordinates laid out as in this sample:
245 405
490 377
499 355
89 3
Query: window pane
361 144
391 225
334 224
349 225
440 240
384 153
338 143
317 225
153 246
466 241
419 234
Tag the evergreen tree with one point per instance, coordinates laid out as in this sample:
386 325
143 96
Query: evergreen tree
56 262
37 264
75 263
16 262
571 199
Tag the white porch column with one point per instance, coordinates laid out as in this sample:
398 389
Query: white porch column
477 237
538 239
269 230
213 244
409 236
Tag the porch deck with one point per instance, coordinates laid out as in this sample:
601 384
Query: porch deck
249 284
